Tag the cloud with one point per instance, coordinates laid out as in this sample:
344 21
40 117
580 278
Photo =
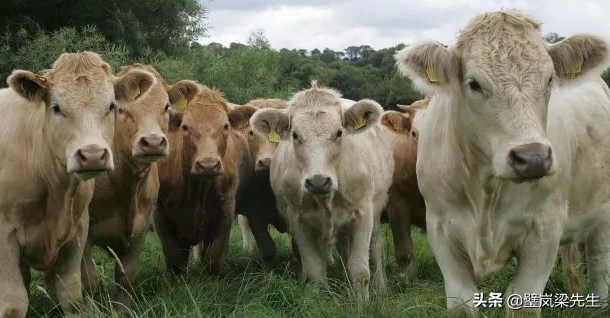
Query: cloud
384 23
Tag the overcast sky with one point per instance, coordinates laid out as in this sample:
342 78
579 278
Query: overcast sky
383 23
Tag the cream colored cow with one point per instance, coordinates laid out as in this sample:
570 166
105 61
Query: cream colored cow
56 130
330 174
514 153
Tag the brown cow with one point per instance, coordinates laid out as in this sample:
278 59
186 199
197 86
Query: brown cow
57 129
405 205
124 198
200 180
258 200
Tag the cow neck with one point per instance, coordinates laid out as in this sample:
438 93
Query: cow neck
481 189
61 186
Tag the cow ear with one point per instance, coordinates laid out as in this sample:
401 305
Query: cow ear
361 116
175 120
132 85
396 122
429 65
181 93
29 85
271 123
240 116
579 55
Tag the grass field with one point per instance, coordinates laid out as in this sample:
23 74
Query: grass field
245 290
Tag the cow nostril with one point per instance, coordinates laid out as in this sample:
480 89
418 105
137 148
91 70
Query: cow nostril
327 182
163 141
81 156
144 142
104 154
517 159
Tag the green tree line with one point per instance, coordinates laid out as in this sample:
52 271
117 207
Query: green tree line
164 33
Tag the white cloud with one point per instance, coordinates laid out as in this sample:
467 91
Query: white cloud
384 23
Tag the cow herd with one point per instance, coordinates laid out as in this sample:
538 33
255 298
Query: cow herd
507 157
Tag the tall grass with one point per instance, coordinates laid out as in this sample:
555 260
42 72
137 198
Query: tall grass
245 290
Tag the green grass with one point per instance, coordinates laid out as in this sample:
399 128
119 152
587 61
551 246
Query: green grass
245 290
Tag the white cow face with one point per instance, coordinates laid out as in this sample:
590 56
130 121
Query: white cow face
316 126
499 78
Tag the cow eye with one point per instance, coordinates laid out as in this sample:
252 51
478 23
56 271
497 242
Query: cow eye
226 126
166 108
111 107
184 127
56 110
251 133
339 133
550 80
295 136
474 85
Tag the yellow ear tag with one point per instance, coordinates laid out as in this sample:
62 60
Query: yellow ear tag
577 68
431 75
274 137
136 93
361 123
180 105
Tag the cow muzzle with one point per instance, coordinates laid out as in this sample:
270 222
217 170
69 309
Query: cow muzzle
262 165
530 161
90 161
210 167
319 184
149 148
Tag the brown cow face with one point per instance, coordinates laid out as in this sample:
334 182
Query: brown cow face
206 124
142 124
261 148
79 96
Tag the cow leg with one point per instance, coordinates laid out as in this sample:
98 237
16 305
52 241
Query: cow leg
89 276
400 224
598 260
376 259
64 278
313 255
358 259
215 251
266 245
246 233
343 246
535 262
125 273
13 289
175 253
458 274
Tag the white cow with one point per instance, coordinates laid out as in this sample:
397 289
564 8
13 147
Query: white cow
514 154
331 174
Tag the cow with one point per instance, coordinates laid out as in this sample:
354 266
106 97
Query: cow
57 129
513 154
200 180
405 204
123 200
331 173
259 204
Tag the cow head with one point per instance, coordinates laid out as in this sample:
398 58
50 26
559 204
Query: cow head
142 119
206 122
498 80
315 126
79 95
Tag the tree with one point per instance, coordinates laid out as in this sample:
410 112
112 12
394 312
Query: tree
166 25
553 37
258 39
